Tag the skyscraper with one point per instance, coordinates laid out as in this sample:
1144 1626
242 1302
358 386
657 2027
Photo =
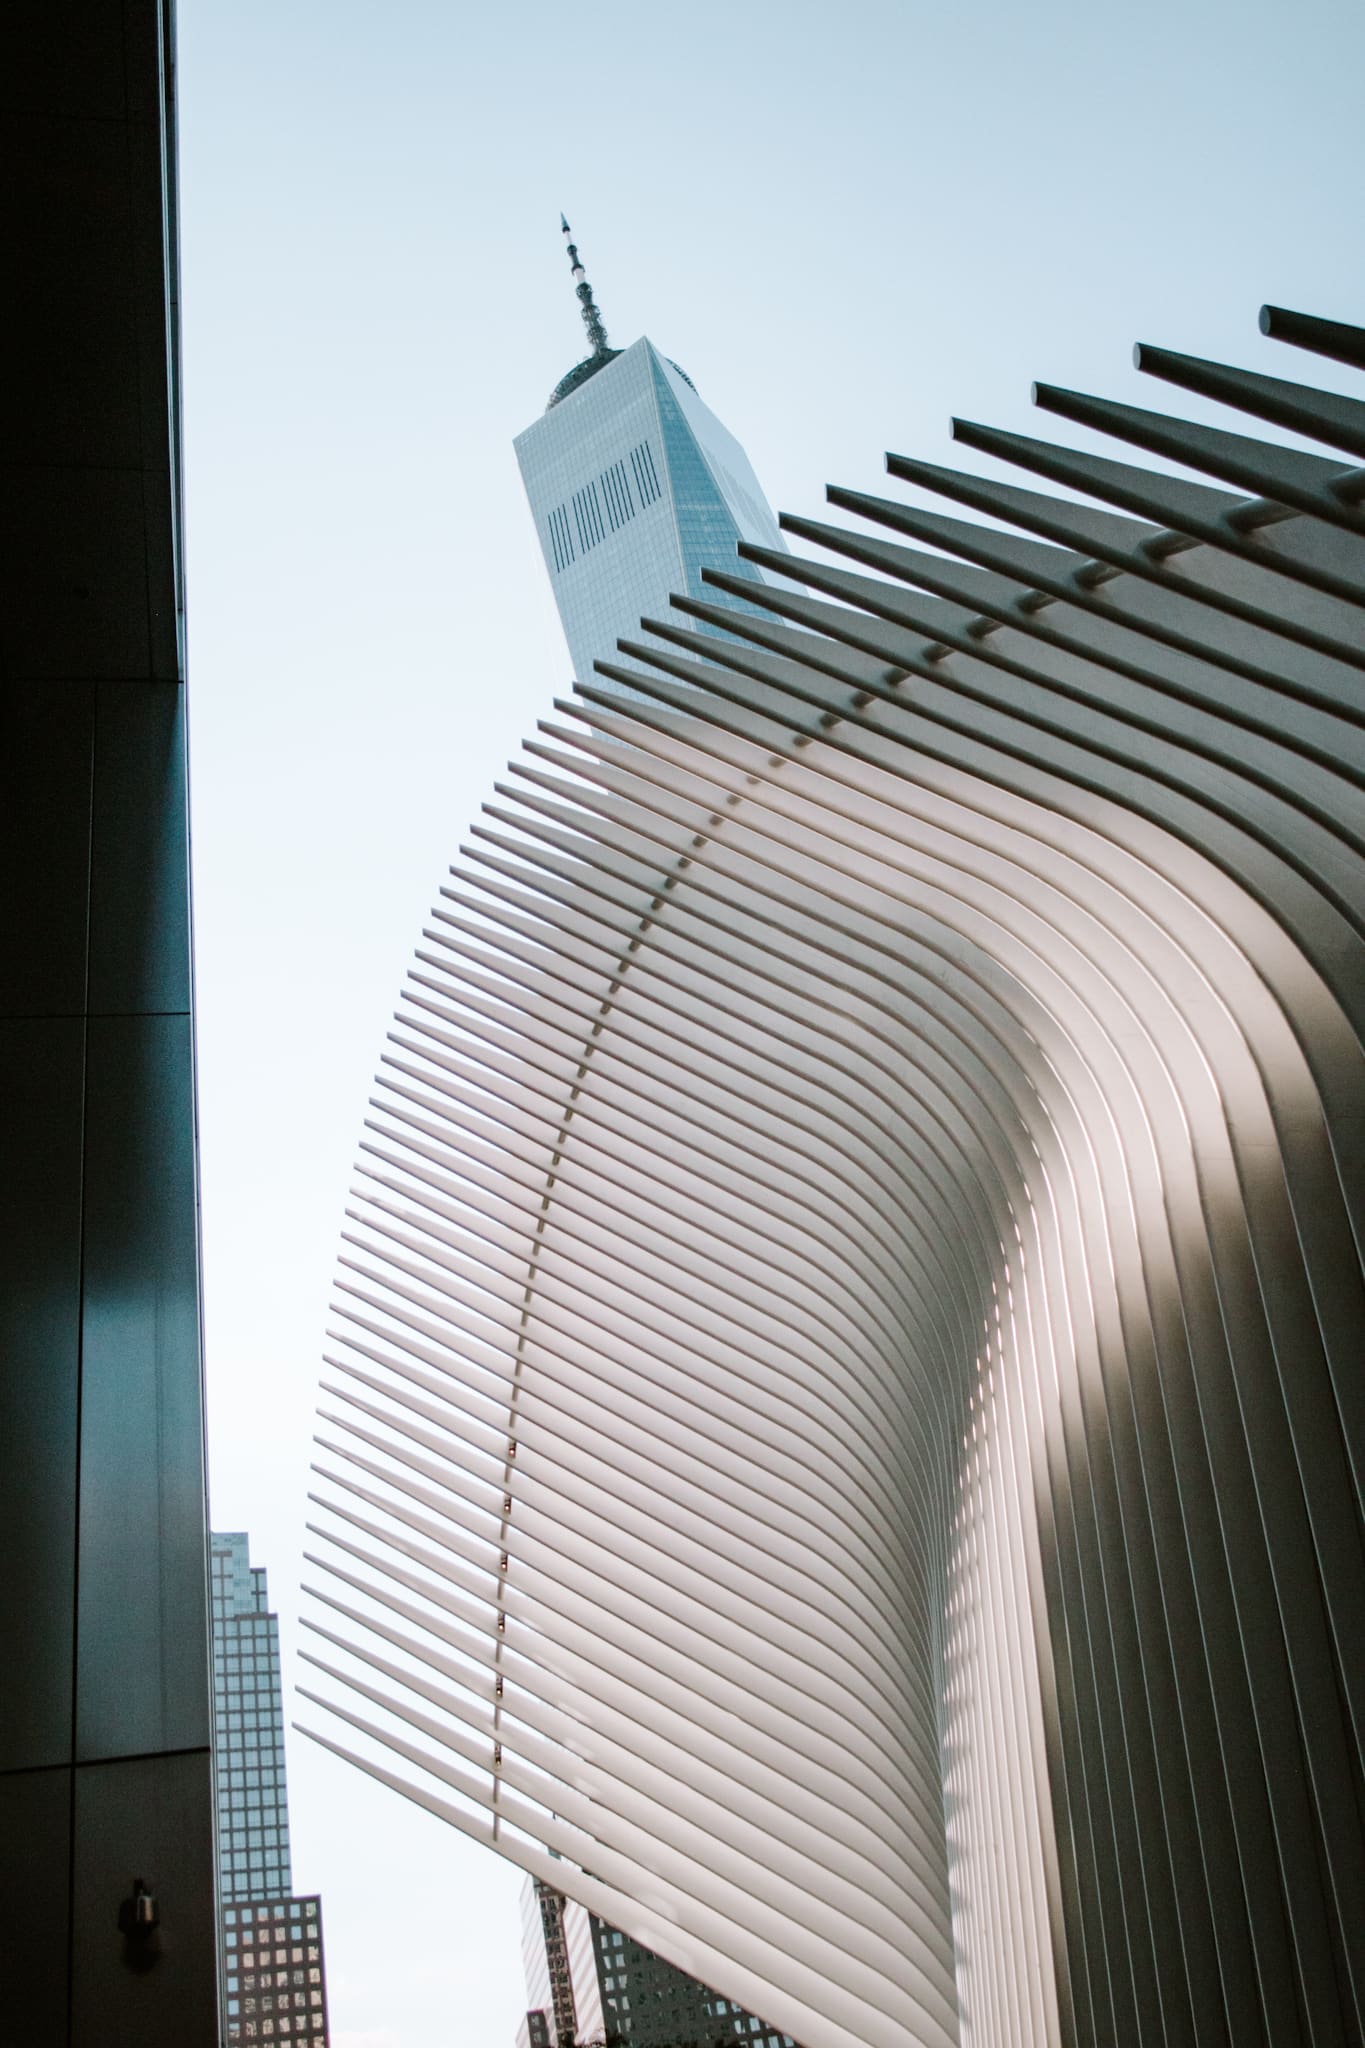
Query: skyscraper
587 1981
635 487
272 1941
248 1714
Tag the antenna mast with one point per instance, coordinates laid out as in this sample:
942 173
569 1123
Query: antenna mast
587 305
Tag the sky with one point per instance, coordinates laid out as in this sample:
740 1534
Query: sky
846 223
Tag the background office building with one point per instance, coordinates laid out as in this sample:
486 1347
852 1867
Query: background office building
275 1973
635 487
275 1985
248 1716
589 1982
105 1768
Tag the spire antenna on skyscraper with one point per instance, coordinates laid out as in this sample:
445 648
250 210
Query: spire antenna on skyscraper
592 318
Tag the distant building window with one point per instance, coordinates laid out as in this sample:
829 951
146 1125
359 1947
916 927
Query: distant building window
561 544
617 493
645 474
587 512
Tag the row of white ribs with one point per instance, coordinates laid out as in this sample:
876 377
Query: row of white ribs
845 1416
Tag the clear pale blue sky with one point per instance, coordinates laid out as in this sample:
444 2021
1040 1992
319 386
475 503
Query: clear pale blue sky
846 222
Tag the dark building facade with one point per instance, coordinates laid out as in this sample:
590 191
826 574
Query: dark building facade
534 2031
106 1830
649 2003
275 1972
590 1982
274 1981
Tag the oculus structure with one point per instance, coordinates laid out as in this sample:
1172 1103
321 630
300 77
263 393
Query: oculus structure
844 1420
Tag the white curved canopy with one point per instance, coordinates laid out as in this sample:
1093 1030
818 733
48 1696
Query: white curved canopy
843 1421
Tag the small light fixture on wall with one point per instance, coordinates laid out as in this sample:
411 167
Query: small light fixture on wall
139 1919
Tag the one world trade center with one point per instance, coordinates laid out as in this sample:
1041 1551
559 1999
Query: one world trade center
635 487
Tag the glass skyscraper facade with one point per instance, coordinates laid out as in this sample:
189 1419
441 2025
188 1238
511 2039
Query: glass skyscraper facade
275 1988
248 1726
589 1981
635 487
649 2003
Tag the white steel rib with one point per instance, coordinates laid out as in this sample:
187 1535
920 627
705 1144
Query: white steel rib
842 1436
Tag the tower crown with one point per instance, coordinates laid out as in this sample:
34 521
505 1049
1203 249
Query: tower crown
601 354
